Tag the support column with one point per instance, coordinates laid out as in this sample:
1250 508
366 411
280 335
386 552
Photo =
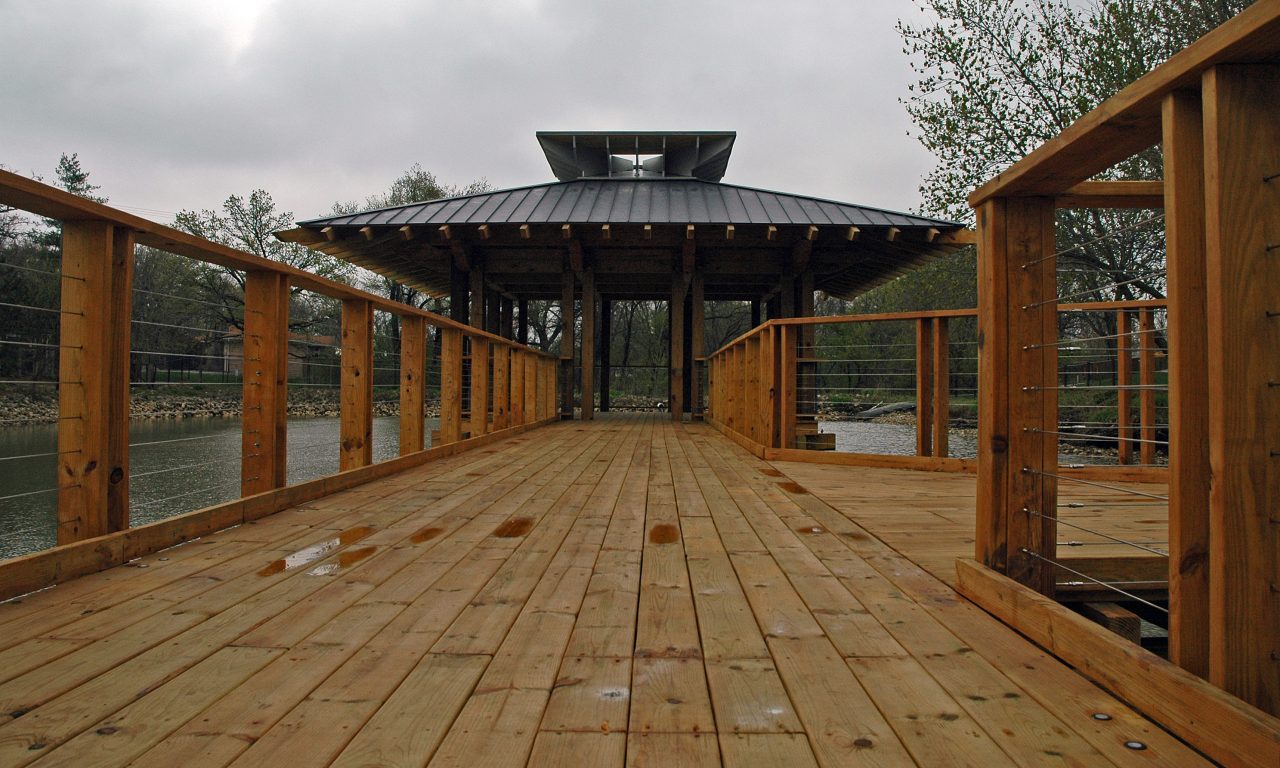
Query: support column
678 290
606 352
1017 316
588 344
505 309
493 312
264 425
357 385
522 330
755 313
476 279
459 300
1242 203
565 378
1147 379
698 322
413 383
1188 384
93 380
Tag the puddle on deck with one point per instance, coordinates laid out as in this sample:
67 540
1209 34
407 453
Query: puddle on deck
316 551
514 528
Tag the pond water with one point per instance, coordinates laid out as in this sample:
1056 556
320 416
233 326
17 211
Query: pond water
175 466
890 439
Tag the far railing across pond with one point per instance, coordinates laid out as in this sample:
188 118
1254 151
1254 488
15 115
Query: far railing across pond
821 388
487 385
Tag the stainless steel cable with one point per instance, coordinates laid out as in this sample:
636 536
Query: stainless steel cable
1082 481
1099 582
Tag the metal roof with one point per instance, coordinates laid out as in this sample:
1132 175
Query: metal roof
629 200
691 154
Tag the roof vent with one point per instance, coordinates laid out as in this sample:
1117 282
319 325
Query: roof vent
605 154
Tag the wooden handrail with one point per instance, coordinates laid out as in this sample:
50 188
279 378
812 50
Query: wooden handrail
43 200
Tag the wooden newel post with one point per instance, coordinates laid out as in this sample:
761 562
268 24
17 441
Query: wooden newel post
1147 380
787 377
450 385
264 426
565 375
501 386
1242 203
518 356
356 385
413 383
93 380
697 322
1017 450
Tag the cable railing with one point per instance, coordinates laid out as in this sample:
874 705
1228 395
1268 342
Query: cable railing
101 338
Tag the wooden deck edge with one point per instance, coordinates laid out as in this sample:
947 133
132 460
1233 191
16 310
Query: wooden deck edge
38 570
1118 473
750 445
885 461
1213 721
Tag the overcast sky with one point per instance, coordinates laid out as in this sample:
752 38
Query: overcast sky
175 104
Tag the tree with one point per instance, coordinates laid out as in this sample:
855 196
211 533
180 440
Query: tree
248 224
997 79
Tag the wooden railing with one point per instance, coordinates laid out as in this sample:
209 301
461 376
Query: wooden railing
1214 110
509 386
768 388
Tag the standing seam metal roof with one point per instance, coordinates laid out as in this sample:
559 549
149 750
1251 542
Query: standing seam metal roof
631 201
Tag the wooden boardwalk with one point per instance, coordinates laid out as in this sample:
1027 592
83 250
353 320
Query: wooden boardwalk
622 592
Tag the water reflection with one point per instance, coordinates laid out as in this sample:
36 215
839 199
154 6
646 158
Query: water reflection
175 466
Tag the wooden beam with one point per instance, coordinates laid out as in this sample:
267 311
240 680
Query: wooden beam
330 234
1129 122
445 231
406 232
476 280
606 232
576 260
891 234
368 233
1113 194
413 384
566 231
588 344
688 257
522 326
483 231
851 234
801 252
1188 565
1114 618
931 234
461 257
1219 725
688 232
1242 149
524 231
771 233
728 231
264 425
648 231
356 404
93 406
811 233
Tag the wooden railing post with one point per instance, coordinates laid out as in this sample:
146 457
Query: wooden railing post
1124 379
450 385
787 399
678 289
941 387
588 344
532 409
697 329
501 386
356 385
924 387
479 386
93 380
751 379
264 425
771 371
1147 379
1017 316
413 383
1188 384
1242 202
518 356
565 377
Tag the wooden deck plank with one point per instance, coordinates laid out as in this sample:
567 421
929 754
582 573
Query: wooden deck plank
655 596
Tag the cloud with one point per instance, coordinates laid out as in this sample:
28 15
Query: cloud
176 105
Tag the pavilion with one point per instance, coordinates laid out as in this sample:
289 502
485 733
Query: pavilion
632 216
